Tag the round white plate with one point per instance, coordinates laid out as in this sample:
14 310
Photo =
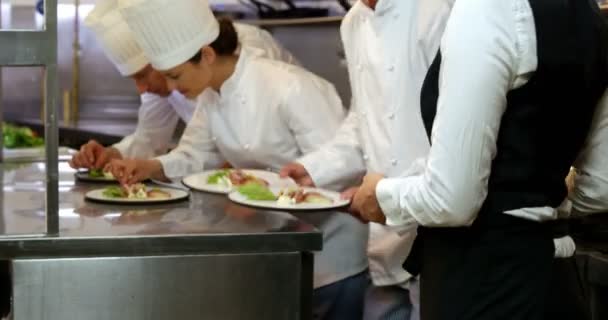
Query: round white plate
175 184
84 176
237 197
198 181
176 195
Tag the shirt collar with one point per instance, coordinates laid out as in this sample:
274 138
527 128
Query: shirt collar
383 7
232 82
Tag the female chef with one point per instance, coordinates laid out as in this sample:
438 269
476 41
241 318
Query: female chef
161 108
258 113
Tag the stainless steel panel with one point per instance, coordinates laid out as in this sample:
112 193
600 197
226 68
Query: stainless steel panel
205 224
1 107
51 131
26 48
225 287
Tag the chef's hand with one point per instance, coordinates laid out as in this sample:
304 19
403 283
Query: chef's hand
93 155
365 204
131 171
349 194
570 180
298 173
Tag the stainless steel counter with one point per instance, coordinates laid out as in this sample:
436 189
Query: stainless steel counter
188 260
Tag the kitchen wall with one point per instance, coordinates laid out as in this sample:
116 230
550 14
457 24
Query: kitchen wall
104 94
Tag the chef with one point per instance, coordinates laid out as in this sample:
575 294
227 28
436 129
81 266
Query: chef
516 95
389 46
254 113
161 108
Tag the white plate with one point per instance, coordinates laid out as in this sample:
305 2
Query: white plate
198 181
175 184
237 197
176 195
84 176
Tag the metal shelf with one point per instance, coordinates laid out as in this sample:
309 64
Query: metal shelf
39 48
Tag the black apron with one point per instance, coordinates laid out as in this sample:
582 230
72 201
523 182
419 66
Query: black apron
501 266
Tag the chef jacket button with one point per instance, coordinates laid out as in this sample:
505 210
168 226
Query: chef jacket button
391 116
394 162
396 16
214 138
391 68
359 67
365 157
363 113
247 147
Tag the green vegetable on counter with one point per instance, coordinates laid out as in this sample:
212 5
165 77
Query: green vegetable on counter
216 177
254 191
113 192
20 137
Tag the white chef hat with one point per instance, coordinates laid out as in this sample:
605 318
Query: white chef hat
170 31
116 39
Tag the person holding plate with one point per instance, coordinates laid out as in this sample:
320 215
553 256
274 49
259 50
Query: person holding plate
516 95
389 46
253 112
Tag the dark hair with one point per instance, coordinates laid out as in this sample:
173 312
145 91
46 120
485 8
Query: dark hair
225 44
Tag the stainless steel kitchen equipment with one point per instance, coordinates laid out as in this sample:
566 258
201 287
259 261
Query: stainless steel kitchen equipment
205 258
39 48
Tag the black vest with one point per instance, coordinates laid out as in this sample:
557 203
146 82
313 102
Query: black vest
546 120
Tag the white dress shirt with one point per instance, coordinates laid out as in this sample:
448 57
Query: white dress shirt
488 49
388 51
267 114
158 116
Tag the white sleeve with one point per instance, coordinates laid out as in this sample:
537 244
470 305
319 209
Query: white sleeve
196 149
156 124
480 60
590 194
314 113
341 159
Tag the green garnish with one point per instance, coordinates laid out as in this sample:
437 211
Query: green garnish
113 192
254 191
96 173
20 137
216 177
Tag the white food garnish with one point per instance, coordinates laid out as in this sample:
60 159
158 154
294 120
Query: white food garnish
286 200
225 181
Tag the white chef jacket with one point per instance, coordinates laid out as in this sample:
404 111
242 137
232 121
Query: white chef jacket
483 59
267 114
388 51
158 116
